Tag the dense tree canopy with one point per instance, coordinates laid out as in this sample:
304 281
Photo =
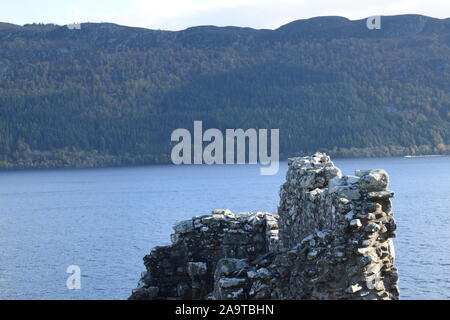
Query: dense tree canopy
111 95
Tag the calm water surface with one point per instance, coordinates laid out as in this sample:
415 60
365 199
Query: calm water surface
106 220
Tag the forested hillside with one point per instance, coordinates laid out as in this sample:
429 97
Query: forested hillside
112 95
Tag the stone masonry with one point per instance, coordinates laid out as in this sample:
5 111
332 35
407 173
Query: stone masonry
331 239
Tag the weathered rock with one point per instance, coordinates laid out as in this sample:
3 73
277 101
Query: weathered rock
331 239
184 227
195 269
373 180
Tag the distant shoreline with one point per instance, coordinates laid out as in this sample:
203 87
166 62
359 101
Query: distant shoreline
115 164
425 156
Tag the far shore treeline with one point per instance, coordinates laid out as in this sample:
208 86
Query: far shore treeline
110 95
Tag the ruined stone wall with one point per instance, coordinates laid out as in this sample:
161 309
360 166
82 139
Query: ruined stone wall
338 230
305 204
331 239
185 269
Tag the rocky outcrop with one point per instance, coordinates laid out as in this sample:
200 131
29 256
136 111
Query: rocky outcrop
331 239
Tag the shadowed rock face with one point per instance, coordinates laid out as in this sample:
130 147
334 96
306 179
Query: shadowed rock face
331 239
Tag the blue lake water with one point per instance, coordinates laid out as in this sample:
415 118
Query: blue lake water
106 220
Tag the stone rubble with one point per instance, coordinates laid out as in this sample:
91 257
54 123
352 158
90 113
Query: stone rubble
331 239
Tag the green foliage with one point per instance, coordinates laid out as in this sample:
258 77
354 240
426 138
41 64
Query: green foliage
111 95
